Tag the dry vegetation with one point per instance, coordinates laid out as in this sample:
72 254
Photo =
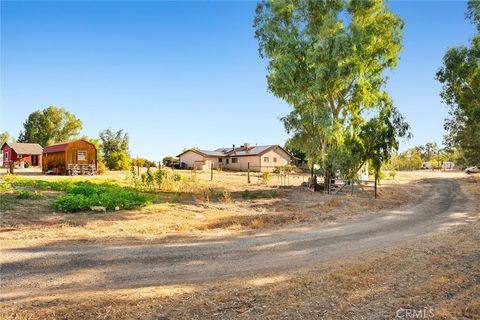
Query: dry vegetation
228 204
439 272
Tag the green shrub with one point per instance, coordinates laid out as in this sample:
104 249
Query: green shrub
266 177
118 161
101 167
392 175
165 178
85 195
262 194
24 194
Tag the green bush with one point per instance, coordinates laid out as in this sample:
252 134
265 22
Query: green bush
165 177
266 177
85 195
101 167
24 194
392 174
118 161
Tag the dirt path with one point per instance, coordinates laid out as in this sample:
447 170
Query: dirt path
56 267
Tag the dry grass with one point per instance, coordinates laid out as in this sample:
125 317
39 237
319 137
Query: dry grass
213 209
439 273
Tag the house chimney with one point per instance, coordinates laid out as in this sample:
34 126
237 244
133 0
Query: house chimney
233 148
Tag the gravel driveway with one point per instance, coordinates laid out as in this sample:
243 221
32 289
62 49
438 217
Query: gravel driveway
69 266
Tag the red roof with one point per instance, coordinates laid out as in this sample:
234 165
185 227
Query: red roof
58 147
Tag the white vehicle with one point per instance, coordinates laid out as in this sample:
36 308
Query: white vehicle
474 169
448 165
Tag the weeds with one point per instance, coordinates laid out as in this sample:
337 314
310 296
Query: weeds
392 174
262 194
227 196
27 195
86 195
266 177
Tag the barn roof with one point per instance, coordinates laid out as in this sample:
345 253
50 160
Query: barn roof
58 147
25 148
61 146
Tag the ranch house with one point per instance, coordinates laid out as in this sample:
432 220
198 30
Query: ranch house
243 158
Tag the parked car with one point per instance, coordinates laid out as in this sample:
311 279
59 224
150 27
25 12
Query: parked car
474 169
177 165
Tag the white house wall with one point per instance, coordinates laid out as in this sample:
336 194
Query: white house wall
191 159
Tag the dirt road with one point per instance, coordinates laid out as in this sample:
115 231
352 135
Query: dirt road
33 272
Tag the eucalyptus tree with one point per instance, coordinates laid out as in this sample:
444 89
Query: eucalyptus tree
460 76
327 59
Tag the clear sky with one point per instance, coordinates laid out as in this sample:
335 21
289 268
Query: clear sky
184 74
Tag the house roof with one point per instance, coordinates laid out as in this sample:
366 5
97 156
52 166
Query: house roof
251 151
207 153
239 152
25 148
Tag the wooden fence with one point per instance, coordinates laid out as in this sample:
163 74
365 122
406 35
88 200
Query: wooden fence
366 188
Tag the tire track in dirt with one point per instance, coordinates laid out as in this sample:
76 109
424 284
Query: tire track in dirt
57 267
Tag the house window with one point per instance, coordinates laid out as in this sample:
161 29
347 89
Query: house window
227 161
220 160
6 155
82 155
274 159
234 160
265 159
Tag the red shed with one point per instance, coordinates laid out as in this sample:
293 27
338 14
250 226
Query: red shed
21 154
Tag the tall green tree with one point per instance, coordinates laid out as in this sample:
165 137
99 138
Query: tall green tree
327 60
115 147
428 151
50 125
460 77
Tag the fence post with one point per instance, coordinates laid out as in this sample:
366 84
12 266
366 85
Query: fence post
211 172
248 172
375 187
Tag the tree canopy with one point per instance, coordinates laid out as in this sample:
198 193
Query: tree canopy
115 147
50 125
460 77
327 60
5 137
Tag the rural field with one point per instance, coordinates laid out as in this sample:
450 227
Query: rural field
226 249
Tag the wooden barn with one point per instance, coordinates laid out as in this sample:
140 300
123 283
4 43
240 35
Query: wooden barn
77 157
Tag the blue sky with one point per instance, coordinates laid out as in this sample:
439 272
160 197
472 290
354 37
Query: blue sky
183 74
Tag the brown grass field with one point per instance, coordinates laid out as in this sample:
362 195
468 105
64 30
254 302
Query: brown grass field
235 206
439 271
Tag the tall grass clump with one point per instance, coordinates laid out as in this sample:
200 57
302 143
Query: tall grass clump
167 180
266 177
